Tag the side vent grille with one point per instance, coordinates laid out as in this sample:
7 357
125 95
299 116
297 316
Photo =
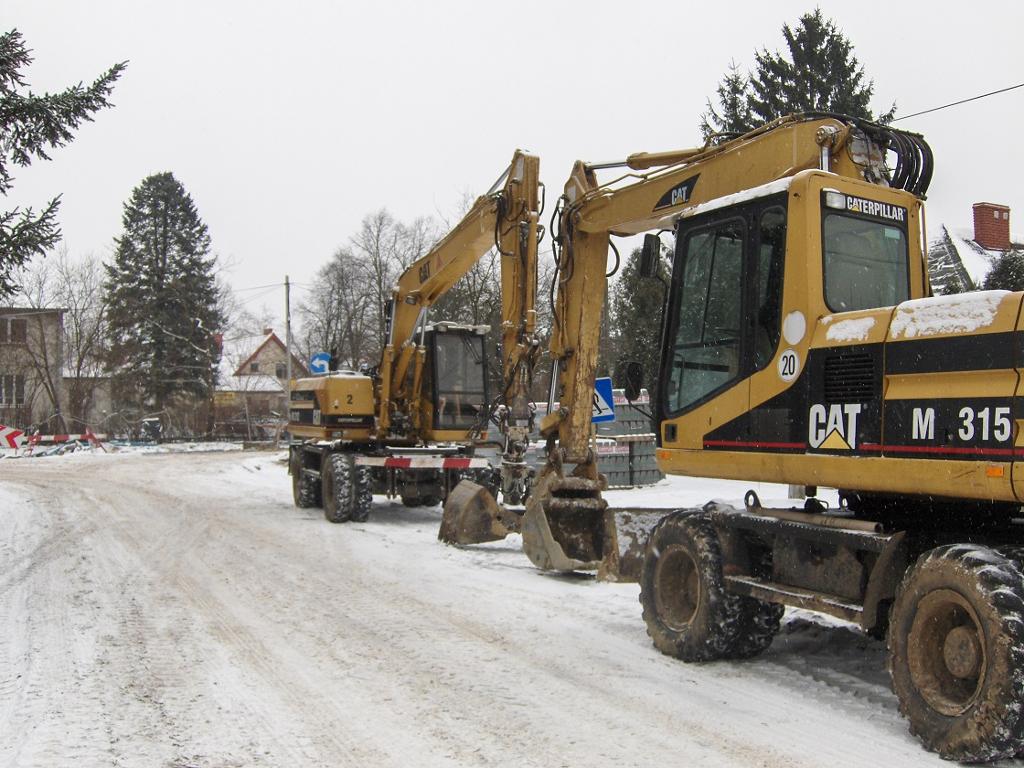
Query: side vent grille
849 378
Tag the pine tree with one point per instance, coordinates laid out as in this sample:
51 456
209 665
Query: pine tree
733 115
163 299
1007 272
636 308
31 125
820 75
817 73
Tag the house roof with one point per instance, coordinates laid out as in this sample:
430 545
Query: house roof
239 352
955 253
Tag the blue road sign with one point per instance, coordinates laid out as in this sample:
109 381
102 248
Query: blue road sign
604 403
320 363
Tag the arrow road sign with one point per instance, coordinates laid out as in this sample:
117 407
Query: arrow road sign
320 363
604 403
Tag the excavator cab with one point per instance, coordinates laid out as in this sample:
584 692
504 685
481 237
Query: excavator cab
455 380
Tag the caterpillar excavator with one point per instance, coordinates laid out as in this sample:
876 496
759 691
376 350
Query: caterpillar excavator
410 427
801 344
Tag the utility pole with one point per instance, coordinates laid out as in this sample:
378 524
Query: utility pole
288 339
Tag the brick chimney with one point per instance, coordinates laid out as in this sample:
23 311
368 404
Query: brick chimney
268 331
992 226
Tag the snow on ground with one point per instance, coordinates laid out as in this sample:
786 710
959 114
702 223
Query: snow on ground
178 610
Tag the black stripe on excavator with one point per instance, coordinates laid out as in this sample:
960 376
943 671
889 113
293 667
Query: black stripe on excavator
677 195
977 352
835 407
315 418
839 390
962 428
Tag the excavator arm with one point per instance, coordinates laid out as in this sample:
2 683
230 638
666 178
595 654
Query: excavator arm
567 525
506 218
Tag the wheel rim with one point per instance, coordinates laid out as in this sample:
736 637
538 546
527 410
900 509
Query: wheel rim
946 652
676 587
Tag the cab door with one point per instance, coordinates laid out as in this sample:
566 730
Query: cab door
723 321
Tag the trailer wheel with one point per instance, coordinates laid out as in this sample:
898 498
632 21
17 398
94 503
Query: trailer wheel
688 613
956 652
305 489
759 623
337 487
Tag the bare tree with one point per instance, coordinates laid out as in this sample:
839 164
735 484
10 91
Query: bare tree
383 248
65 356
339 315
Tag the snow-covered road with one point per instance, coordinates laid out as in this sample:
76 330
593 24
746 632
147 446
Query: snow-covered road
177 610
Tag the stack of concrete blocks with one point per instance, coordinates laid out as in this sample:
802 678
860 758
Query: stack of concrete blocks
625 447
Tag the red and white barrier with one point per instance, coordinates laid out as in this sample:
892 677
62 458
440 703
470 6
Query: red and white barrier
88 436
421 462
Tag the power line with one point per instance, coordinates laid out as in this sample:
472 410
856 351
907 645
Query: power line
957 103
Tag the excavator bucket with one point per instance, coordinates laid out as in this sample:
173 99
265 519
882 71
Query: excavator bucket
567 526
472 516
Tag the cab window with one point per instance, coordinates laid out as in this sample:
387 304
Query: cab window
705 350
865 263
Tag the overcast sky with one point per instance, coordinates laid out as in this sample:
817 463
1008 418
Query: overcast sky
289 122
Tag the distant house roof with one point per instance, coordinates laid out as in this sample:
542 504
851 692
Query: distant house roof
955 255
239 352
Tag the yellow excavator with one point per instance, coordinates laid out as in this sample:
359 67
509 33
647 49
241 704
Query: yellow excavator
410 427
801 344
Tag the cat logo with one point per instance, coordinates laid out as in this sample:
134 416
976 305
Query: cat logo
833 427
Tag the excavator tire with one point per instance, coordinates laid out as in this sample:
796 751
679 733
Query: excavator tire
363 493
688 613
956 652
305 489
759 623
338 488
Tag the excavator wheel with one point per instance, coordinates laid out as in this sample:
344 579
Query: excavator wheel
689 614
338 488
956 652
305 489
362 489
759 623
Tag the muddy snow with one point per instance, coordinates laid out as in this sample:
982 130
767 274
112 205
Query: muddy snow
177 610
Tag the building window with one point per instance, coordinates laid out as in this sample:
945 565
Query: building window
12 390
13 331
281 371
995 214
254 367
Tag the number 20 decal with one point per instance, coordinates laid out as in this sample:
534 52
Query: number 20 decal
789 365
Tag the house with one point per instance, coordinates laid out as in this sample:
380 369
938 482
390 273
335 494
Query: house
959 259
251 396
31 358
